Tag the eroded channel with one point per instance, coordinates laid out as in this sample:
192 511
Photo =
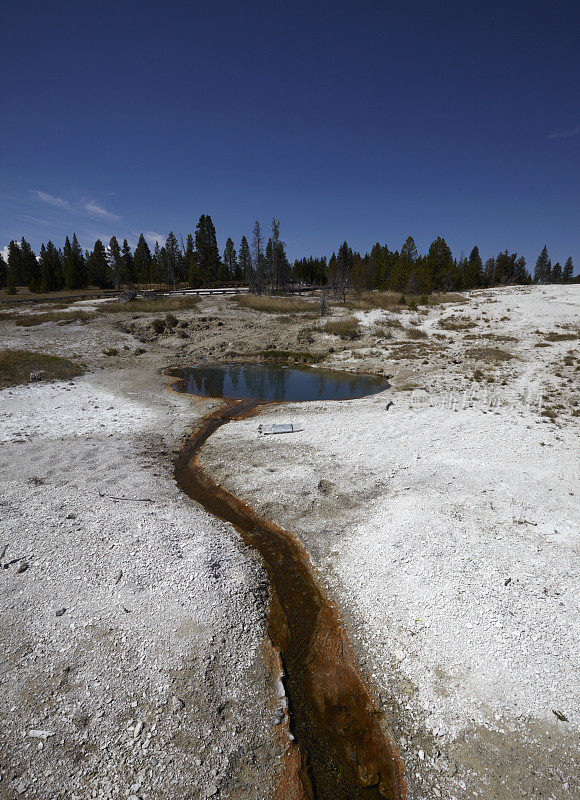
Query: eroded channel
344 751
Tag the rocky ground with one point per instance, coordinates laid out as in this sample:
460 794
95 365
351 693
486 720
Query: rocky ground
135 656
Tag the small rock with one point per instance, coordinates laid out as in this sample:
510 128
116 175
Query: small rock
421 755
211 790
60 612
118 576
138 729
38 734
325 487
22 567
177 704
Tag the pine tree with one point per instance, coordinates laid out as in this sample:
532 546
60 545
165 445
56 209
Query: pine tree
73 266
157 273
98 267
208 257
339 273
556 274
115 262
258 275
543 267
404 265
269 263
521 274
80 265
128 264
190 267
440 268
142 261
277 277
29 266
230 261
172 258
13 271
193 273
245 261
51 279
3 272
473 276
568 271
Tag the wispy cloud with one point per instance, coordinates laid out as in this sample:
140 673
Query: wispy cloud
565 134
87 206
153 237
92 207
51 200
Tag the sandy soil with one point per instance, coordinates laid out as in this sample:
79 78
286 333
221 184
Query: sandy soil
132 644
443 527
446 528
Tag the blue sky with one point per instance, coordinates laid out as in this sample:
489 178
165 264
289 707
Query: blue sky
357 120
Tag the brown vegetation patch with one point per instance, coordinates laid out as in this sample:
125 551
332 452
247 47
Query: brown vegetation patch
448 297
370 300
22 366
295 356
28 320
301 357
146 305
275 305
346 328
382 332
416 333
553 336
493 354
409 350
497 337
391 300
453 323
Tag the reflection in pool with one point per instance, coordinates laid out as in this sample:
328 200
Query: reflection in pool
275 382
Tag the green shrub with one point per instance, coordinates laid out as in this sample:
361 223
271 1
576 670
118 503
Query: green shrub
17 367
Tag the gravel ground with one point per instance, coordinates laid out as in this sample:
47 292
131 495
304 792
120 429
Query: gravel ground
444 527
132 631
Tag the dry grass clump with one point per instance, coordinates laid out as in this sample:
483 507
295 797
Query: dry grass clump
291 355
416 333
275 305
409 350
497 337
390 300
369 300
294 356
145 305
453 323
493 354
553 336
382 332
346 327
22 366
438 299
28 320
